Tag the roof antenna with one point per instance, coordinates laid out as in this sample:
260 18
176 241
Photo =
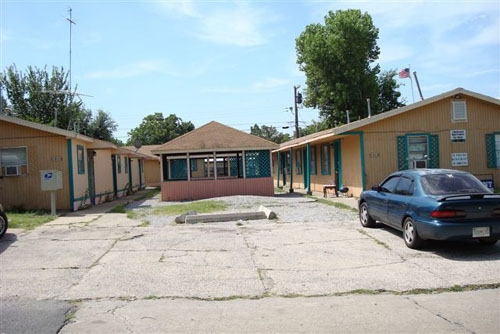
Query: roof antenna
70 20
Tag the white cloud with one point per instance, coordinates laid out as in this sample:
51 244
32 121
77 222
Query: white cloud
227 23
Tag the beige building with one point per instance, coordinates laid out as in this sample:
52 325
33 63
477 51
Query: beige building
152 173
38 161
459 129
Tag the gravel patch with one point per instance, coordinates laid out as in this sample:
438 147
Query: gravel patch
289 208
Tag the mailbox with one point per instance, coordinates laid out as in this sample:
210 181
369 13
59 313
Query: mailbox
51 180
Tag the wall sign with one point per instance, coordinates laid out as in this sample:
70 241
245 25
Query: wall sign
457 135
459 159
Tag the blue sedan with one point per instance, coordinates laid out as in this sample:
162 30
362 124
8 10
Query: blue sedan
437 204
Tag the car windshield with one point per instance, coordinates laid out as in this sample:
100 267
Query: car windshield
450 183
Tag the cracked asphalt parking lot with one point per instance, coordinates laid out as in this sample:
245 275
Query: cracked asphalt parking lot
107 265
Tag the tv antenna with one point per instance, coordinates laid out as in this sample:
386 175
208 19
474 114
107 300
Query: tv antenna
71 22
68 92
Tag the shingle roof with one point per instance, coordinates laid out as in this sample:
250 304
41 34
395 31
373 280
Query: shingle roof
43 127
145 150
216 137
379 117
94 144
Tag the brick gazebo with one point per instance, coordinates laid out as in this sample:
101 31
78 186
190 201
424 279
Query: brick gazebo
221 161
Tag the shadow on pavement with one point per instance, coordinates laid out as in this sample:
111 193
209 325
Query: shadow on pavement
7 240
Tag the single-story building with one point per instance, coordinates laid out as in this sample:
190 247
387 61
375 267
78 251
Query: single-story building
459 129
215 160
152 175
39 163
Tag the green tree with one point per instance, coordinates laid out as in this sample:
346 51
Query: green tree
389 97
37 96
338 58
102 126
316 126
156 130
270 133
44 98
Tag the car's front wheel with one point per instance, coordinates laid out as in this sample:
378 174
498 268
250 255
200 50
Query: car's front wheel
410 234
3 224
364 217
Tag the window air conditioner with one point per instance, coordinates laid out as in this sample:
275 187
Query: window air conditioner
420 163
12 170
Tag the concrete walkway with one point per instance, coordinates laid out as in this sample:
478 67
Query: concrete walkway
314 275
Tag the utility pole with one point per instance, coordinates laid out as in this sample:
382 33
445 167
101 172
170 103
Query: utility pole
297 97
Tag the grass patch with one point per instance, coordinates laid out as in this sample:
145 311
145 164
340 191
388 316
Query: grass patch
28 220
334 204
381 243
198 206
144 224
150 193
118 209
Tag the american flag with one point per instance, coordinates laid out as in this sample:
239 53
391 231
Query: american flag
404 73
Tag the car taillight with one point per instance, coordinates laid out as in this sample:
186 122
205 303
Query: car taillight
440 214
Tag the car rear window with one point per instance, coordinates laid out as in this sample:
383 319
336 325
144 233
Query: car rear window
446 184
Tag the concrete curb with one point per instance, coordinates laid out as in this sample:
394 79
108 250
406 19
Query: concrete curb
192 217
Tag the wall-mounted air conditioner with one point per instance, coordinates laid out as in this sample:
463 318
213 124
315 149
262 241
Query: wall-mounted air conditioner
12 170
420 163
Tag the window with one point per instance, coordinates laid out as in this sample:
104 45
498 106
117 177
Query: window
13 161
287 163
405 186
459 111
119 163
451 183
298 162
194 165
418 151
497 145
325 160
126 161
313 160
80 159
389 185
493 150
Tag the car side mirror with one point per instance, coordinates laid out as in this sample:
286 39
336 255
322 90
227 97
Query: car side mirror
376 188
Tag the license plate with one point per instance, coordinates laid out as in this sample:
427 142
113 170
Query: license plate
480 232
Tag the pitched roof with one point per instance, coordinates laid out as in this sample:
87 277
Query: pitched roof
45 128
212 137
145 150
376 118
94 144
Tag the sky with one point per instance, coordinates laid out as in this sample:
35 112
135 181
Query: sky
234 62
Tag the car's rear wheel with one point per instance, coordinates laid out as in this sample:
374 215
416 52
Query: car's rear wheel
364 216
410 234
3 224
488 241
